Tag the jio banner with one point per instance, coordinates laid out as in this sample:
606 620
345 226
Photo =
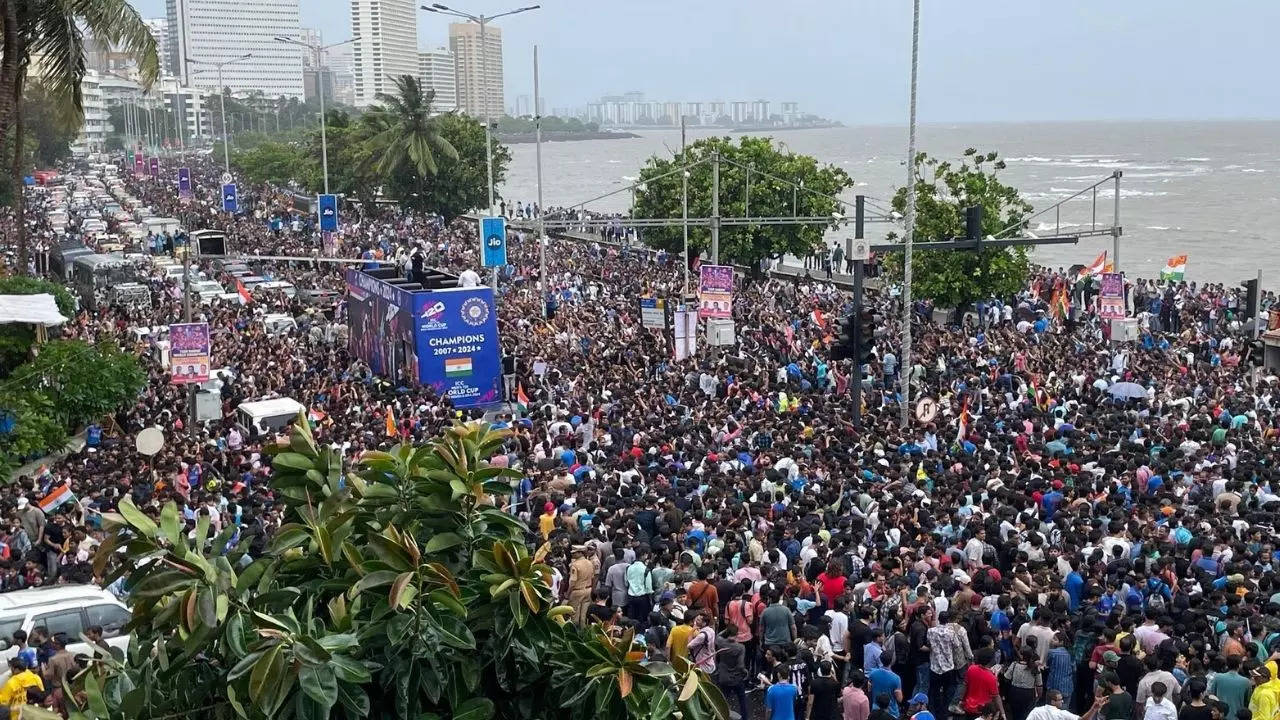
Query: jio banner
493 241
328 209
184 183
189 351
1111 303
154 167
715 291
230 200
457 338
138 168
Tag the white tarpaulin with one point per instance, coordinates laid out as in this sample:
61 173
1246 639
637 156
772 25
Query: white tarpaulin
37 309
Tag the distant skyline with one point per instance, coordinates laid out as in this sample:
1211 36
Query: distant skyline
980 60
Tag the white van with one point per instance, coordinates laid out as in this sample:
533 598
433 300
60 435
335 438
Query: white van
66 609
261 417
277 286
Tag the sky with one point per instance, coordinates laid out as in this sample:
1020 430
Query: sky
849 60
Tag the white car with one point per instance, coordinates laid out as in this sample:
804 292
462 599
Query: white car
66 609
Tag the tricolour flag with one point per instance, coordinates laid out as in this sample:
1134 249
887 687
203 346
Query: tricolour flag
391 423
818 319
56 497
1096 267
1175 269
244 292
457 367
521 399
963 428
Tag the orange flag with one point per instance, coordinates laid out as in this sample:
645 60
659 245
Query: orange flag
391 423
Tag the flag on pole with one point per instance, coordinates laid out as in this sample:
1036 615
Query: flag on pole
57 496
391 423
1175 269
962 430
818 319
1058 306
521 399
1109 268
1096 267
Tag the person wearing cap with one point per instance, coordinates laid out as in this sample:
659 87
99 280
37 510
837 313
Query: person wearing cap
918 707
582 580
547 520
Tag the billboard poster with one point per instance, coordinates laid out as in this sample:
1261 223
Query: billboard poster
327 206
458 344
493 241
1111 303
138 168
447 339
229 197
653 313
715 291
153 164
184 183
189 351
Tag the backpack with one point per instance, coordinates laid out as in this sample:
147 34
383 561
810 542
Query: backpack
889 655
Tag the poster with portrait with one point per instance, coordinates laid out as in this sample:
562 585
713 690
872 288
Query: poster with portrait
715 291
189 351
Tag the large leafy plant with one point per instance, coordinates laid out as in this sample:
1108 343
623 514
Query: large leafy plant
397 590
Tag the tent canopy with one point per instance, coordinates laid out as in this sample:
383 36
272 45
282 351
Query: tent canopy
38 309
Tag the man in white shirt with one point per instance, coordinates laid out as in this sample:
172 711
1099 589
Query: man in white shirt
468 278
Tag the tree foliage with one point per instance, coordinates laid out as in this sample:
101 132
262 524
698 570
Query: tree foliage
944 189
661 197
270 162
459 184
398 591
84 381
16 338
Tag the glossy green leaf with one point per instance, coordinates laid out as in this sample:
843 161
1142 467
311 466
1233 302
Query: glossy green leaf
320 683
137 519
474 709
443 541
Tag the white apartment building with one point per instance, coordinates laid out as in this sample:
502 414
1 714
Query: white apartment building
438 72
159 29
386 46
479 74
94 129
216 31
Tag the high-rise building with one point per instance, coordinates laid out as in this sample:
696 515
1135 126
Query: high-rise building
437 71
159 29
385 48
94 127
216 31
760 111
313 38
479 74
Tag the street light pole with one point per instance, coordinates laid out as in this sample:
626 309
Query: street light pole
222 101
910 220
542 236
324 138
483 21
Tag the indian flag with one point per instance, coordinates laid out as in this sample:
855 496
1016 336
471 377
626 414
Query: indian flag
522 400
1096 267
1174 269
56 497
457 367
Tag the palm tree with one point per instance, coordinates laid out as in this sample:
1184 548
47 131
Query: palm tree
53 33
402 132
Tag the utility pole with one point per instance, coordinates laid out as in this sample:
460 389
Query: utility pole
715 208
541 230
909 232
186 315
684 207
1115 225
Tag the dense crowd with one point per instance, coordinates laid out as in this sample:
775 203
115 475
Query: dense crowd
1043 547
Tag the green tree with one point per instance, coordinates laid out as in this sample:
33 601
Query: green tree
459 185
16 338
398 591
84 381
944 189
271 162
55 31
403 132
346 155
35 431
774 196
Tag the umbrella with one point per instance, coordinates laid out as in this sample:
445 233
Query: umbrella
1075 269
1128 390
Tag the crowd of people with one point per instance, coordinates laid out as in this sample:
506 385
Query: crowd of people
1041 548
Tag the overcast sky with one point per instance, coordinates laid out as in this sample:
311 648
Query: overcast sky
980 60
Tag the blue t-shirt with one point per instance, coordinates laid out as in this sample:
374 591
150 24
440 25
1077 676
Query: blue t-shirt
885 681
1075 589
781 701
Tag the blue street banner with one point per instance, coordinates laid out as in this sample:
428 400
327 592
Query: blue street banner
184 183
154 167
230 200
328 209
493 241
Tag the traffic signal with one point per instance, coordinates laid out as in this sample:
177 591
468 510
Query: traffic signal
846 345
1251 298
866 335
